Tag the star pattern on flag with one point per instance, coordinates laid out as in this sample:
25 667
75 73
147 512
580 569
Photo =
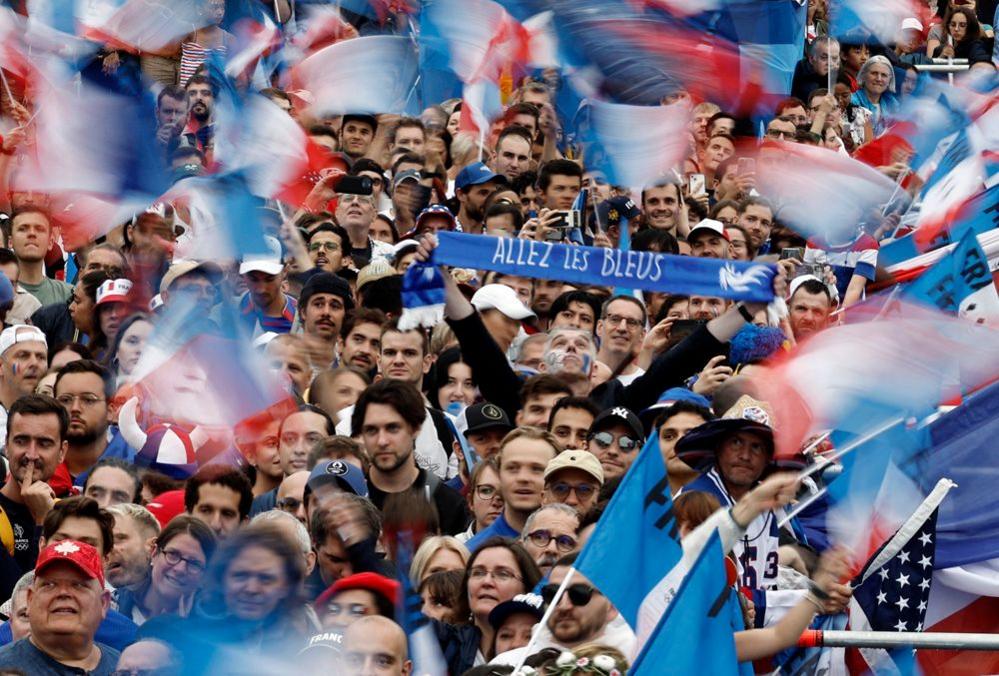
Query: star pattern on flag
894 597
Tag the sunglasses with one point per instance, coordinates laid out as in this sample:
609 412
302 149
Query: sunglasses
562 489
606 440
579 594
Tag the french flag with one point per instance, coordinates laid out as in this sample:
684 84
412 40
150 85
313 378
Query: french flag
480 106
881 19
140 25
255 38
376 74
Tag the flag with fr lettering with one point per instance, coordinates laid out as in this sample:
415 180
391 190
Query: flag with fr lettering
696 633
637 541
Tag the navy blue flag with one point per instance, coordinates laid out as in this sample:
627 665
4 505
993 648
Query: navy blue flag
696 635
608 267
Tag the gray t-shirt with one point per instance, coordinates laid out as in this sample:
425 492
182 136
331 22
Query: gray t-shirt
25 656
49 291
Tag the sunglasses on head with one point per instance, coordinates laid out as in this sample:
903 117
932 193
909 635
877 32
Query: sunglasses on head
579 594
606 440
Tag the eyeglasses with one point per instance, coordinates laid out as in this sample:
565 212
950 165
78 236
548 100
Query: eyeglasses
351 609
87 400
541 538
289 504
561 490
778 134
606 440
486 492
500 574
579 594
325 246
350 198
174 557
630 322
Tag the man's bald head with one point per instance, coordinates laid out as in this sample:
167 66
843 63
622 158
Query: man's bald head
377 645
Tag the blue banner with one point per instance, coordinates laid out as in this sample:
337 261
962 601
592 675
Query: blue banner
608 267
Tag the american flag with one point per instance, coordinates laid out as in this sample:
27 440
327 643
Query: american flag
892 590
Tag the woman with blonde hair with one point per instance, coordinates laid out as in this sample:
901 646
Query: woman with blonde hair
436 554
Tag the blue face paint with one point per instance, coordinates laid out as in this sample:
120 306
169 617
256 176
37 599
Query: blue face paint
13 369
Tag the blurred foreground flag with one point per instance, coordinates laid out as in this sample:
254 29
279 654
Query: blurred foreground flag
881 19
375 74
141 25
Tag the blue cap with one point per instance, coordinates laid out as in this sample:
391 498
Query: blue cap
339 473
436 210
667 399
6 290
611 211
476 174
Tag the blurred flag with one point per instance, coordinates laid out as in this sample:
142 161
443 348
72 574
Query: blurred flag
140 25
892 590
696 633
799 176
882 19
254 38
480 106
376 74
639 527
424 650
960 283
635 146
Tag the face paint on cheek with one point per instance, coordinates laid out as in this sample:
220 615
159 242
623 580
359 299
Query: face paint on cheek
13 369
587 363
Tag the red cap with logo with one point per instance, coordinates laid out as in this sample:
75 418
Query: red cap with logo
79 554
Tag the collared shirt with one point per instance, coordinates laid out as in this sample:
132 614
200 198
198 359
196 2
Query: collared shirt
253 315
498 528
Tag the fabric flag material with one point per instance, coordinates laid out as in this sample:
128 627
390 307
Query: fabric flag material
882 19
636 543
963 599
375 74
254 39
892 590
960 283
637 145
424 649
799 177
480 105
608 267
140 25
695 635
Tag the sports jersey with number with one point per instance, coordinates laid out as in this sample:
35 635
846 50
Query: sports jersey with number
756 550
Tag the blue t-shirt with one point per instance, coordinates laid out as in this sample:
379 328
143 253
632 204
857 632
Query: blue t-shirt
117 448
25 656
499 528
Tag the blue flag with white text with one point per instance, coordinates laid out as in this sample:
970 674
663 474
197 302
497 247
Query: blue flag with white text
696 635
960 274
636 542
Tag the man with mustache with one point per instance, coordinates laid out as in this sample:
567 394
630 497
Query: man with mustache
23 360
36 444
322 308
550 533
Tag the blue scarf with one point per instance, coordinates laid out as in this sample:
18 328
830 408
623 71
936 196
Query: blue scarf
423 287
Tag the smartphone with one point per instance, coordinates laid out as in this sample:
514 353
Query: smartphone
695 184
682 328
556 233
795 252
570 218
746 165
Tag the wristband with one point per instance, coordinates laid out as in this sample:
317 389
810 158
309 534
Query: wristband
817 591
744 311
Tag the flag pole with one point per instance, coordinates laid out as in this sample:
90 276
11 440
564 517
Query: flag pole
851 447
6 88
816 638
544 619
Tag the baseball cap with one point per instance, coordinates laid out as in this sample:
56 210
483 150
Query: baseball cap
338 473
20 333
486 416
476 174
618 415
573 459
385 587
912 23
180 268
326 282
268 263
113 291
798 281
407 175
532 604
167 505
502 298
81 555
709 225
667 399
436 210
611 211
376 269
698 447
357 117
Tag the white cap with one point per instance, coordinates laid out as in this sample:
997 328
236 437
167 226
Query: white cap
798 281
912 24
114 291
714 226
503 298
20 333
268 263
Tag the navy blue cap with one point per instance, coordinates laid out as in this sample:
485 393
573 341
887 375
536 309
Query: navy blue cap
610 212
339 473
476 174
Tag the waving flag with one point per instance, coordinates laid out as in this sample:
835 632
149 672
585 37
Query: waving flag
800 176
141 25
959 283
892 591
637 145
480 105
481 37
696 633
424 649
254 39
639 527
882 19
376 74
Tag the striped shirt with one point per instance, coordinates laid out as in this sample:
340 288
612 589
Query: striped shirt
192 55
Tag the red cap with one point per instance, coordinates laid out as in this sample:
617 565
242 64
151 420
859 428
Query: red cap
373 582
80 554
167 505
